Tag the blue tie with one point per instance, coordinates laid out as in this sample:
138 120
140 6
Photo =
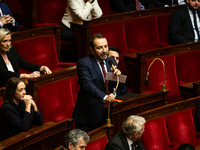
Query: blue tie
133 146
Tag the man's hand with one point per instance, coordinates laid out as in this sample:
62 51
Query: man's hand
116 71
110 98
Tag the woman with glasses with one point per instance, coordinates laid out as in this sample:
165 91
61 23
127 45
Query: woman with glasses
18 111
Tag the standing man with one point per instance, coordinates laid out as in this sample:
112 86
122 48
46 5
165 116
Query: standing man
185 23
129 137
95 93
75 139
115 53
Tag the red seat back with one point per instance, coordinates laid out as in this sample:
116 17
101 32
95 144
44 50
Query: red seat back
1 101
56 101
188 65
50 11
99 144
105 7
141 34
41 50
163 27
181 127
156 77
155 136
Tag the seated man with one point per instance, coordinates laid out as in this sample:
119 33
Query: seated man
129 137
166 3
120 6
184 23
115 53
7 20
75 139
198 116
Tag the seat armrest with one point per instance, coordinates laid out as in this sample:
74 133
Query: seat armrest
163 44
65 64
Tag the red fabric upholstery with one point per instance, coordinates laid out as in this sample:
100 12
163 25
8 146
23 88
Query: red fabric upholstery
98 144
41 50
156 77
105 7
1 101
155 136
55 100
181 127
50 11
188 65
163 27
75 88
114 32
141 34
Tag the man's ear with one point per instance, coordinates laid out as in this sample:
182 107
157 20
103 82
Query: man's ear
135 135
70 145
91 50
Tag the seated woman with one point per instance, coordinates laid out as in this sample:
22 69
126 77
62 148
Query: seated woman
11 60
18 111
78 10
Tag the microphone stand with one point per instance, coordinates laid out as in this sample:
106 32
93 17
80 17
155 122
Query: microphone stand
163 85
108 120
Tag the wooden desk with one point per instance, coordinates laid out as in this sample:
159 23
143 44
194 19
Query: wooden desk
189 90
197 148
136 105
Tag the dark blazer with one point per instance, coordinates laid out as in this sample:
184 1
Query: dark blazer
89 106
122 92
119 142
14 119
17 61
6 11
180 27
162 3
120 6
198 116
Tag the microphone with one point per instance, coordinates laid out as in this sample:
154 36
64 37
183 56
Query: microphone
147 76
110 62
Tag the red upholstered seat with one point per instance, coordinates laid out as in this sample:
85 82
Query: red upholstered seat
98 144
41 50
156 77
155 136
105 7
1 101
56 100
188 65
181 127
50 11
163 27
142 34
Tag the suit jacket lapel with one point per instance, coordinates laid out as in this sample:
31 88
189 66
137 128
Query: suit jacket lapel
188 18
97 69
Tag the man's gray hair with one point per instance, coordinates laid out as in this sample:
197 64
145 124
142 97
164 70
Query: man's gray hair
73 136
132 125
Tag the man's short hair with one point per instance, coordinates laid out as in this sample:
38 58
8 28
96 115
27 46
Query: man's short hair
186 146
132 125
73 136
112 48
99 36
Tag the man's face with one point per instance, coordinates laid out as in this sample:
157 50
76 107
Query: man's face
193 4
139 134
80 146
100 51
114 54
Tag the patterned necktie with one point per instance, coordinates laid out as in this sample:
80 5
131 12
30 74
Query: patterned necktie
104 74
138 7
195 24
133 146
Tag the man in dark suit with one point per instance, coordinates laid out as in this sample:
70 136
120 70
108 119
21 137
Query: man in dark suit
120 6
90 111
182 23
198 116
129 137
75 139
115 53
7 20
